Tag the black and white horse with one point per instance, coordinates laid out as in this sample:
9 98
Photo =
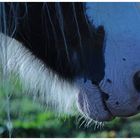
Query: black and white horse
82 57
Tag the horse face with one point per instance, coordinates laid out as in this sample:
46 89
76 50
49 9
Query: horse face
118 91
118 94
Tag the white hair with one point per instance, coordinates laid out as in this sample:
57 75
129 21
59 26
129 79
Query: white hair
42 83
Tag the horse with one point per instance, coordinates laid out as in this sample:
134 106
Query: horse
78 58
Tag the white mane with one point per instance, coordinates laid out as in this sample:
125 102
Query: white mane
42 83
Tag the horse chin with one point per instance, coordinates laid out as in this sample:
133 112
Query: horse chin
91 102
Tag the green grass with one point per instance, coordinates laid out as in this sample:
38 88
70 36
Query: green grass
30 120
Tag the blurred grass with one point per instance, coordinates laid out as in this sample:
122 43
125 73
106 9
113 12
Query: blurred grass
30 120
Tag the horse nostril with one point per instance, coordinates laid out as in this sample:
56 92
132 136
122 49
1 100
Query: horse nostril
136 80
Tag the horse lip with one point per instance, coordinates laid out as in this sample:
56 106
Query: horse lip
106 107
104 98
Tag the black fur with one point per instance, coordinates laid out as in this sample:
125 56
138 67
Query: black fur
39 28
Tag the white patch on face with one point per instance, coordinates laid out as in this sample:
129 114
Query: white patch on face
121 22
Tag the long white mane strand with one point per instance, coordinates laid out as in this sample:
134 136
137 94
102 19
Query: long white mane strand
37 80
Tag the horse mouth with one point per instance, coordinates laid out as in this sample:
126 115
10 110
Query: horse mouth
93 102
104 99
